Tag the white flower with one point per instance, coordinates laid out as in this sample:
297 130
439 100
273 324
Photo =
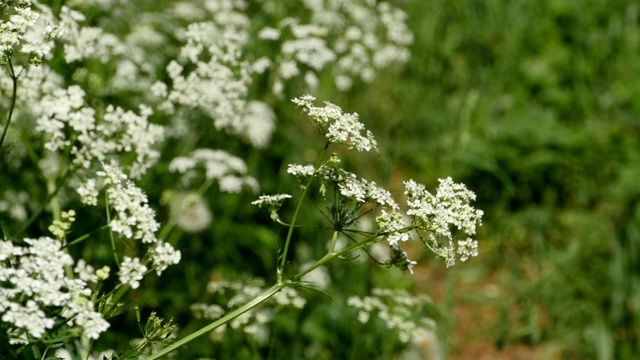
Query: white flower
134 219
229 170
271 203
191 212
131 272
88 192
29 317
394 226
301 170
34 279
438 215
337 126
289 297
259 123
163 255
467 248
269 33
206 311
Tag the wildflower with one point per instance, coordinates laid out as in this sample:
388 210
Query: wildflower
302 172
336 126
162 255
131 272
259 123
134 219
28 31
289 297
35 280
206 311
398 310
271 203
191 212
437 215
229 170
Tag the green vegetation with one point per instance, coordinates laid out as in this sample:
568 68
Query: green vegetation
535 106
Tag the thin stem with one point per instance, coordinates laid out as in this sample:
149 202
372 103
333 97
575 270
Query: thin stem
330 255
85 236
111 237
14 96
225 319
333 242
283 260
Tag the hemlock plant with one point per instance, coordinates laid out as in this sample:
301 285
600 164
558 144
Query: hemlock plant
65 134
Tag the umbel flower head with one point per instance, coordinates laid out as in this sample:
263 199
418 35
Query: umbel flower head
444 222
338 127
439 220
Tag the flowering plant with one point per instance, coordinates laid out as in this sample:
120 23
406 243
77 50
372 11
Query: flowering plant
92 116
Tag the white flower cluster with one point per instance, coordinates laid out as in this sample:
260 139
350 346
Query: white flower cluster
271 203
14 204
337 126
63 115
399 311
84 42
394 226
230 171
351 187
206 311
254 322
133 219
190 211
357 37
438 214
217 86
360 191
34 282
217 78
131 272
433 218
25 31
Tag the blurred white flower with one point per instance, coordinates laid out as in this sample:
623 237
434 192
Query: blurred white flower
191 212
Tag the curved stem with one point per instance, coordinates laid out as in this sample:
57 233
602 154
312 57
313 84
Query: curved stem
14 95
223 320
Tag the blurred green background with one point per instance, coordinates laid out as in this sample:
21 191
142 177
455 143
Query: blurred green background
536 107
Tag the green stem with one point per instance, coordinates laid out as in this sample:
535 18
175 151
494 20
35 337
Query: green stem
331 255
283 260
223 320
332 247
14 96
111 237
85 236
